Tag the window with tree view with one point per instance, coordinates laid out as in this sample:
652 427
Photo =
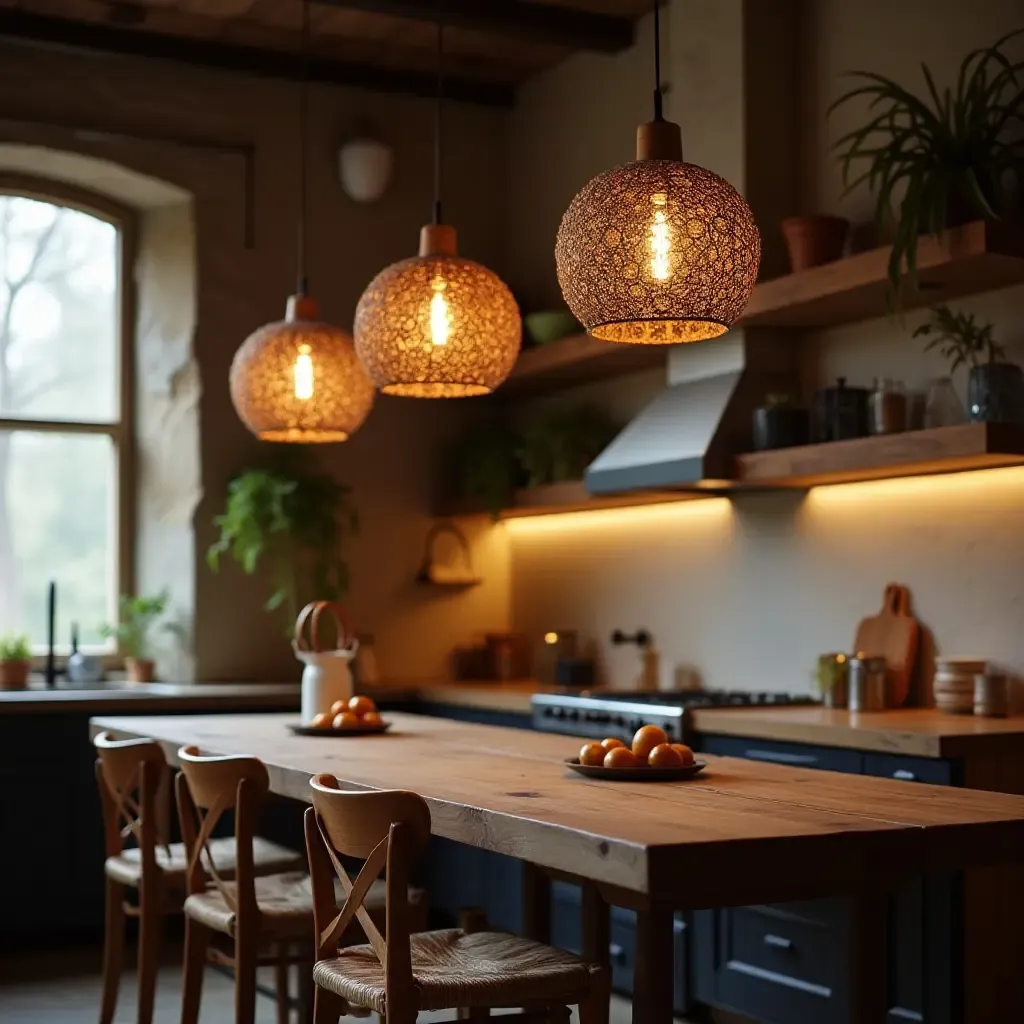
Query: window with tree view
62 417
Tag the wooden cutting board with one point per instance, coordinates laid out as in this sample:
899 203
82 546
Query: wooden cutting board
893 634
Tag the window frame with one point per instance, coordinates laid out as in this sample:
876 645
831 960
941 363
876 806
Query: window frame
122 432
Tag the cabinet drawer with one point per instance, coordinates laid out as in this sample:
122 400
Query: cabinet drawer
796 755
909 769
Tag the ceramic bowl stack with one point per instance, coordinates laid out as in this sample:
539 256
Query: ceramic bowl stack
954 684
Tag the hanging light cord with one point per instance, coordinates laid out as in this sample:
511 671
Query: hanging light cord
438 111
657 61
303 145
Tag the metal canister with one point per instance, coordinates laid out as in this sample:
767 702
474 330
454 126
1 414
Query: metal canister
831 679
866 677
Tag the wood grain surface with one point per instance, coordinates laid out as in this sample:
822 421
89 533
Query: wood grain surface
684 844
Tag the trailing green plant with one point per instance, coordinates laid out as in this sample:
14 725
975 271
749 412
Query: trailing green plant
949 152
15 647
960 338
560 445
137 615
484 465
294 521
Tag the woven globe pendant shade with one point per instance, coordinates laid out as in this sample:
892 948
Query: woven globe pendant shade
299 380
437 325
657 251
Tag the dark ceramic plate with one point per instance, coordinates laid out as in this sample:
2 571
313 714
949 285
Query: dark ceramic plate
363 730
635 774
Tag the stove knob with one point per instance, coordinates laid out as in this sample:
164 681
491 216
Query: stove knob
573 715
559 712
602 716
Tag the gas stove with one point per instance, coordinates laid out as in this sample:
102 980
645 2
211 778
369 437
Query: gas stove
598 714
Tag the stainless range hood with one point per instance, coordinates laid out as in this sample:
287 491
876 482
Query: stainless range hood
687 437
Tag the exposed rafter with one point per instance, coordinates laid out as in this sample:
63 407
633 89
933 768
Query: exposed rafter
38 30
537 22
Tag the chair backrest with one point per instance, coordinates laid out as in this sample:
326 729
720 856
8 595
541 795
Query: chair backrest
131 775
206 788
388 830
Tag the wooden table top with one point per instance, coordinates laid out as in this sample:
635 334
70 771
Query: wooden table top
694 843
920 732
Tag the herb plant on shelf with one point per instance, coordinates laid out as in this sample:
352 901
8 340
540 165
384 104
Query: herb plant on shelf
293 521
136 617
943 159
995 387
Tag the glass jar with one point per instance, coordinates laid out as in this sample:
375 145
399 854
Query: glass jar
943 408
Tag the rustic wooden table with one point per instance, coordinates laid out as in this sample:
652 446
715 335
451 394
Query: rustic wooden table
741 833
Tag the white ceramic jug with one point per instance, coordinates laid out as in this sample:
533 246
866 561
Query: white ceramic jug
327 676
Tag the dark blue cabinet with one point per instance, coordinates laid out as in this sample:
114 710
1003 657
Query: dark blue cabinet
784 963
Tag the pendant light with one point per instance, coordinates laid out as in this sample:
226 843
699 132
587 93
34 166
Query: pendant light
299 379
657 251
437 325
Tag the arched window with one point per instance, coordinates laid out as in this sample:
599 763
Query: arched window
65 410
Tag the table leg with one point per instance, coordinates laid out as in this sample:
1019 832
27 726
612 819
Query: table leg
595 926
868 962
654 976
536 903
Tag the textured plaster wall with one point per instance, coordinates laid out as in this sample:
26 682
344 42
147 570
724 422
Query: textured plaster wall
390 464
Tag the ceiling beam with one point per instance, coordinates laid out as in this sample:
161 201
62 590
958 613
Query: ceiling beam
40 31
537 22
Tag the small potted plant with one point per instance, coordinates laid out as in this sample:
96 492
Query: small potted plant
15 661
995 387
946 155
137 615
780 423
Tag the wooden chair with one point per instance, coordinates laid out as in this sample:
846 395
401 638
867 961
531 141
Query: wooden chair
134 784
398 974
272 911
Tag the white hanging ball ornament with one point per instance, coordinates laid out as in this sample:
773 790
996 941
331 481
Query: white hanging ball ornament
364 166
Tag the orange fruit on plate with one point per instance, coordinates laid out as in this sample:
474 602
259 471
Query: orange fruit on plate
361 706
620 757
610 743
339 707
664 755
684 752
371 718
321 721
347 720
592 754
646 739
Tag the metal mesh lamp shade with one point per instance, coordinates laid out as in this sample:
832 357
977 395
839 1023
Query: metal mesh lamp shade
300 380
657 251
437 325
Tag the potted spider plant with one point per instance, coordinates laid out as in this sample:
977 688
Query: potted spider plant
15 661
137 615
944 159
995 387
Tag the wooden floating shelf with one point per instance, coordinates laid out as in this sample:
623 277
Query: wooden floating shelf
568 497
914 453
967 260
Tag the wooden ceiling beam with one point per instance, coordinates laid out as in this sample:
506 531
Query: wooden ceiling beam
537 22
41 31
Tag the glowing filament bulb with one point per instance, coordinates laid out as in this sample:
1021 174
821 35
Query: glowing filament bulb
440 318
303 374
660 241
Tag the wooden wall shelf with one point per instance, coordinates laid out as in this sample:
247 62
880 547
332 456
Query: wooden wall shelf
568 497
977 257
915 453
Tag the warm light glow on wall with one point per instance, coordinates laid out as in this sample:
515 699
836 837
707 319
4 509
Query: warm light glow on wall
946 495
634 517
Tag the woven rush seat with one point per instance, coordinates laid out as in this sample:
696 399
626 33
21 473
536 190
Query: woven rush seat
451 968
285 902
268 859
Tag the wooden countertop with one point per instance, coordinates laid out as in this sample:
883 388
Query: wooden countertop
922 732
809 833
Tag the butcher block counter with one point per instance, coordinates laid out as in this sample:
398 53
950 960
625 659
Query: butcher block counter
919 732
655 847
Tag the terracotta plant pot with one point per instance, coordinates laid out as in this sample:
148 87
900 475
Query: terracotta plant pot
14 674
140 670
814 240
